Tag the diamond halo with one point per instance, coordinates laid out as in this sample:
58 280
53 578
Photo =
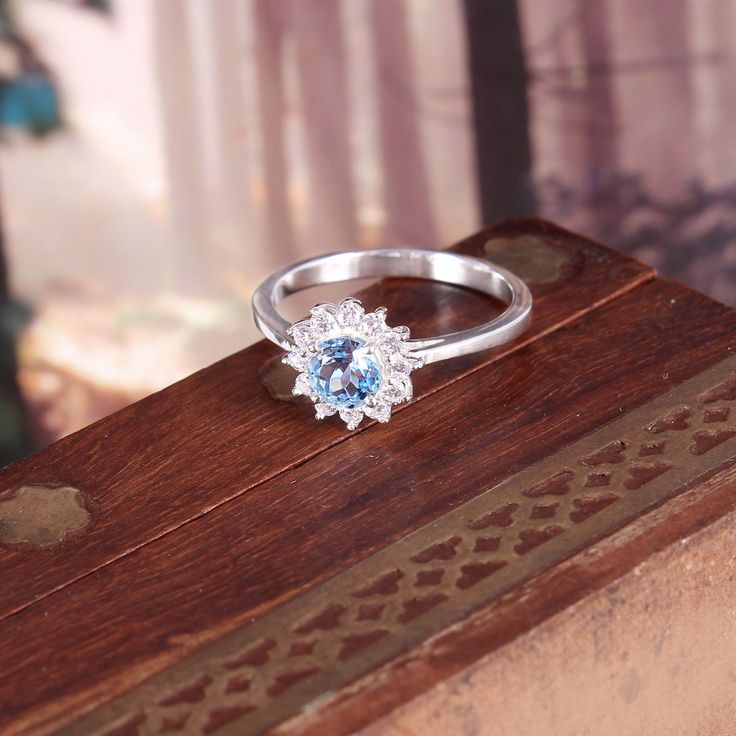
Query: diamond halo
350 362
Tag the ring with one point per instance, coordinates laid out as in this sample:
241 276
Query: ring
349 361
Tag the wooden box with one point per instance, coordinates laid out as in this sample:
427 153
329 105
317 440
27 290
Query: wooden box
542 542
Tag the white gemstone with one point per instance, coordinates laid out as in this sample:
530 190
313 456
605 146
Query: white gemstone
323 319
381 412
351 417
302 387
399 363
390 343
389 339
373 324
302 333
323 410
297 359
402 362
349 313
402 331
398 388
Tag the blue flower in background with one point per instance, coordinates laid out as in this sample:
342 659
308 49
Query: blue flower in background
30 102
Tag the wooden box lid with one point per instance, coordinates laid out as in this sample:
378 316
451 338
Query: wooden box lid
542 542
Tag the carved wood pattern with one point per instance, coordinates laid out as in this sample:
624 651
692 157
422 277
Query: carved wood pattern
263 673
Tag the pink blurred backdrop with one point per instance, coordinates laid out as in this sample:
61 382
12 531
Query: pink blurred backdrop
206 143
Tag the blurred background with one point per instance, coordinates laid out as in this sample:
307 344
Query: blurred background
158 158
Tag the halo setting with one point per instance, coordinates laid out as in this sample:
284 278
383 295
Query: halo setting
350 362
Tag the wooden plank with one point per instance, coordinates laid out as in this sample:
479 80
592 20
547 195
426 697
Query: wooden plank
246 559
176 455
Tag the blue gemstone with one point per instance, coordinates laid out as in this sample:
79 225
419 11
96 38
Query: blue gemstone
343 373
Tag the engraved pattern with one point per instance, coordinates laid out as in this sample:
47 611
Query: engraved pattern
382 606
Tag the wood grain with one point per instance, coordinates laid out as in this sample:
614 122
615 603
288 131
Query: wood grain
149 609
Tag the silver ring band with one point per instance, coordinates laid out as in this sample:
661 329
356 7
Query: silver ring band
443 266
354 364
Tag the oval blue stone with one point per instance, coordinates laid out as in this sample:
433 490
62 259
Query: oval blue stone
343 373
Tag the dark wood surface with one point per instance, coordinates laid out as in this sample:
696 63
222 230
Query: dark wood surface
215 504
164 461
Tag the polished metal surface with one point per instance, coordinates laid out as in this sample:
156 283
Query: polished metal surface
450 268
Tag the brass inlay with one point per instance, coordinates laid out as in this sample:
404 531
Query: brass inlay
384 605
531 258
277 379
41 515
